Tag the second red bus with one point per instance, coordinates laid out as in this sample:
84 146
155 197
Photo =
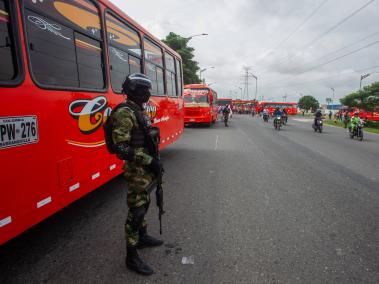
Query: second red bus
200 104
291 108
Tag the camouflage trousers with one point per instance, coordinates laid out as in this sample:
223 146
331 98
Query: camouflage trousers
138 200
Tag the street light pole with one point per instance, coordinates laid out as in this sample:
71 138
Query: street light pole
205 69
256 85
192 36
240 90
333 97
363 77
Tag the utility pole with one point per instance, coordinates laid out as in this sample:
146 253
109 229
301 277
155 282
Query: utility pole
363 77
333 97
246 77
240 90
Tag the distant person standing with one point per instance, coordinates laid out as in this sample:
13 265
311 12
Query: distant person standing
346 119
330 115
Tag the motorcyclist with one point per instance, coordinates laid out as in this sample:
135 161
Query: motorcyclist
346 119
225 113
265 114
277 113
318 115
285 115
354 121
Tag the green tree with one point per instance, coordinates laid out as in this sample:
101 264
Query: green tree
190 66
365 99
308 102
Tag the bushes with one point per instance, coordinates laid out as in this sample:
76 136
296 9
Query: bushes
372 124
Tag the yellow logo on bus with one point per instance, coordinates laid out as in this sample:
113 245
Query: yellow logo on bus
91 114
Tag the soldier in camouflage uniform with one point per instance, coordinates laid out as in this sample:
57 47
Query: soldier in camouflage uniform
141 169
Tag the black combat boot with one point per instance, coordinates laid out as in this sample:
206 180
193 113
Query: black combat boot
133 262
147 241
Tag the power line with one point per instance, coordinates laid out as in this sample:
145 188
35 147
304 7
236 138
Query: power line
328 31
339 57
338 24
301 25
346 46
321 79
342 56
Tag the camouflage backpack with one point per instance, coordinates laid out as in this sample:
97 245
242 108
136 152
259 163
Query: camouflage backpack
108 128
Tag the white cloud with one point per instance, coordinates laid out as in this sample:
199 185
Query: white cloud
246 32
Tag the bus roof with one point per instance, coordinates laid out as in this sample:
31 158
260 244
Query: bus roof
279 103
196 86
122 14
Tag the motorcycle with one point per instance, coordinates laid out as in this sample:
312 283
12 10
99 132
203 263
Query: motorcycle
357 132
318 125
284 119
226 118
278 122
265 117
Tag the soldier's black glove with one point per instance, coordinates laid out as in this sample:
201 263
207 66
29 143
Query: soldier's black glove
124 152
156 167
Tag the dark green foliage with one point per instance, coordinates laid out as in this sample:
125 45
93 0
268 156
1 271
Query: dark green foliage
372 124
365 99
308 102
190 66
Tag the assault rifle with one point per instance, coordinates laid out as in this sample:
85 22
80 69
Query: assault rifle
154 138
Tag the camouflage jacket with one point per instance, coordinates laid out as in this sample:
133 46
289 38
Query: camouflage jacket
124 122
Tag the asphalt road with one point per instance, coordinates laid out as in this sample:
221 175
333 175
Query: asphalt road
249 204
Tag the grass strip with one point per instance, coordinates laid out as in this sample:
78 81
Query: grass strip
340 124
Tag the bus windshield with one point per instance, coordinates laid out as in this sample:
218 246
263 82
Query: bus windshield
196 97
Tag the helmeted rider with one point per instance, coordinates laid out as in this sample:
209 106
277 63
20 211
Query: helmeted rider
226 110
278 112
318 115
285 114
354 121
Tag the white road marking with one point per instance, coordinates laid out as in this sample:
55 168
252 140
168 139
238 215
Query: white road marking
267 199
216 143
303 119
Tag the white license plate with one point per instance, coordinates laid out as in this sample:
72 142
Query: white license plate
192 119
18 130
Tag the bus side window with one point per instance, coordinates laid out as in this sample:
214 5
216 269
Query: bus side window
170 75
64 44
8 69
179 77
151 72
124 46
154 66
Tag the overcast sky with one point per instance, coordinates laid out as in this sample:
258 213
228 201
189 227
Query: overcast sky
286 42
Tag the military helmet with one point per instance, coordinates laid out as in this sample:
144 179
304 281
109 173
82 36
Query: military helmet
136 80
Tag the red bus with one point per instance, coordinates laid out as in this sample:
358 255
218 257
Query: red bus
291 108
244 106
62 66
200 104
224 102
